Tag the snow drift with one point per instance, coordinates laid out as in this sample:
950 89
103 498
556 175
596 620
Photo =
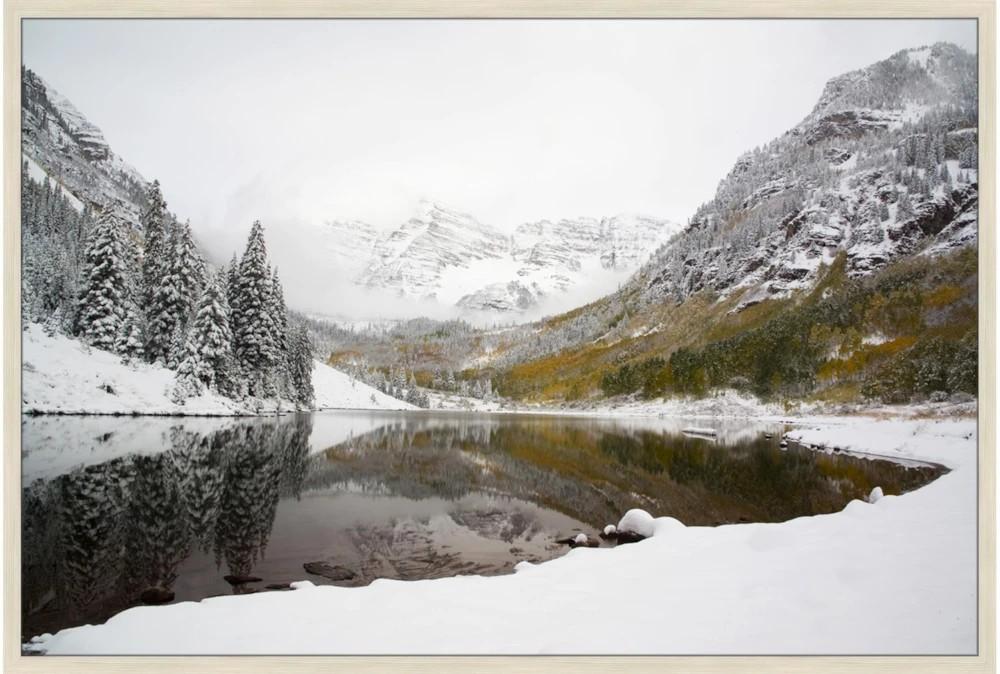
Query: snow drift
61 375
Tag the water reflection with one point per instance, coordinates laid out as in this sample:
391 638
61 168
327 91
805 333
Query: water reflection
96 537
113 508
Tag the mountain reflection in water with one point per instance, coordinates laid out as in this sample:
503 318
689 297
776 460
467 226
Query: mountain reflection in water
115 506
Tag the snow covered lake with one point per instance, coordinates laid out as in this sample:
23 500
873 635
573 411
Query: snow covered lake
114 506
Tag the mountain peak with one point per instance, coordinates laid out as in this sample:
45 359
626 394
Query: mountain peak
72 151
925 76
883 167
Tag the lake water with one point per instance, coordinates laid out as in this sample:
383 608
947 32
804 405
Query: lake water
113 506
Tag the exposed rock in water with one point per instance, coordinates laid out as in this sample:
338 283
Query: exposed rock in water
330 571
629 537
580 540
156 595
241 580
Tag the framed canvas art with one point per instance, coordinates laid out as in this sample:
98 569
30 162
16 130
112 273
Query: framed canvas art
635 335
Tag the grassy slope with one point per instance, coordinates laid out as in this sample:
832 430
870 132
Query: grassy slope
826 333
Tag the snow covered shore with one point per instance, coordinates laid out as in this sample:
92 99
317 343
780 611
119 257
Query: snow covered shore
894 577
61 375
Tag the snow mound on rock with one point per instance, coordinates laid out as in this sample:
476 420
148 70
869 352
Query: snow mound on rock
638 521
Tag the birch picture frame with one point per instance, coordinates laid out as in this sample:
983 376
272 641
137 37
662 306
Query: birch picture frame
499 389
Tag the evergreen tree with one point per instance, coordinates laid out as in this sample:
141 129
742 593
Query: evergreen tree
130 340
282 338
300 366
156 230
968 157
252 315
174 299
904 207
232 281
208 348
103 299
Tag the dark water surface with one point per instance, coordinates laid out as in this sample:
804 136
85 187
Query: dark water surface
113 506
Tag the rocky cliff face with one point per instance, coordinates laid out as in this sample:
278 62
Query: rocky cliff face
60 142
884 166
412 259
444 254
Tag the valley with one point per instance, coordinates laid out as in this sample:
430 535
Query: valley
586 433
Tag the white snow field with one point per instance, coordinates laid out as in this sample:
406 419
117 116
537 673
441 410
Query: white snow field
897 576
63 375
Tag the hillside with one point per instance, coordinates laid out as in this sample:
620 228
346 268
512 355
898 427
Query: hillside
57 140
837 261
122 313
63 376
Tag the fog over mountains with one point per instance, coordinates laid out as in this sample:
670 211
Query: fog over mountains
451 261
452 257
832 183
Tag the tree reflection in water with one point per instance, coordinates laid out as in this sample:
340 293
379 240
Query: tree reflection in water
422 486
94 538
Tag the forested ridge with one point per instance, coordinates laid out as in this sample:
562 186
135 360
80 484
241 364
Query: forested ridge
147 293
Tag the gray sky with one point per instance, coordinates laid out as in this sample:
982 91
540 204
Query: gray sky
297 122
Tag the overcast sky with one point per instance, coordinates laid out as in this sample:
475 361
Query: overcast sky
301 121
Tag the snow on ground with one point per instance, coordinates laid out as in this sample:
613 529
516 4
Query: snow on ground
38 173
440 400
897 576
337 390
63 375
731 404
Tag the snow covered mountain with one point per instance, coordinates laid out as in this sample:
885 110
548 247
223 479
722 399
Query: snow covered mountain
873 198
59 142
413 259
884 166
350 244
450 256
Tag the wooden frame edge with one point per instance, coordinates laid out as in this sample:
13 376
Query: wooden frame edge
983 10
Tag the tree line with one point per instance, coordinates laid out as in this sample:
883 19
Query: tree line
150 296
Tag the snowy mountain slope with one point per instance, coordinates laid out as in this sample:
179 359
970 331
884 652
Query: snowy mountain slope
452 257
350 244
58 139
410 260
61 375
882 167
558 257
861 221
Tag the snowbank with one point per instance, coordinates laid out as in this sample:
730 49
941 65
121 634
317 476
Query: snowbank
894 577
64 376
337 390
